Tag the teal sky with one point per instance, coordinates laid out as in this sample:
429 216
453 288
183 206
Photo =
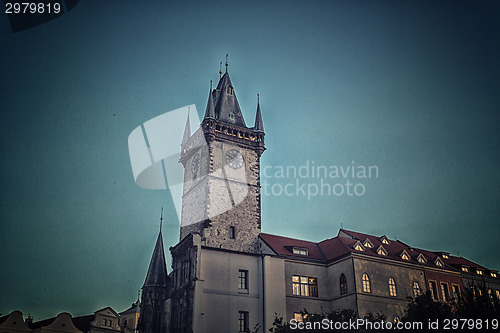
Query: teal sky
408 86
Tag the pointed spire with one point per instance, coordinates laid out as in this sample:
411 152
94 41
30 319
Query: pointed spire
259 125
157 271
187 130
227 64
210 111
226 107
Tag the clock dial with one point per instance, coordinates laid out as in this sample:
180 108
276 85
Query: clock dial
195 164
234 159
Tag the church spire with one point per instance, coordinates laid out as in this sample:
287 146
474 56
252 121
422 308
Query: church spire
187 131
157 271
259 125
210 112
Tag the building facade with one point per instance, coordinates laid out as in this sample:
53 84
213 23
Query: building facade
228 276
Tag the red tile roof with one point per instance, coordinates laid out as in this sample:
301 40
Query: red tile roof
343 244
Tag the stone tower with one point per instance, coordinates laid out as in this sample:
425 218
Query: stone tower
221 195
154 312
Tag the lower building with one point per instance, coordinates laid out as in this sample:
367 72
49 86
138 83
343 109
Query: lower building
214 289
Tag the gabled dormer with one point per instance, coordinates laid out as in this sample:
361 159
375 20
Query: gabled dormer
421 259
382 251
368 243
404 255
358 246
385 240
438 262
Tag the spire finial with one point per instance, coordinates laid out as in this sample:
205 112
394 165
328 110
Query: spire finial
220 70
210 86
258 98
227 64
161 218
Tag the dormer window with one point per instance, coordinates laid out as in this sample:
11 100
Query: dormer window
438 262
465 269
493 274
480 272
367 243
385 241
381 251
300 251
229 90
405 255
358 246
421 259
445 256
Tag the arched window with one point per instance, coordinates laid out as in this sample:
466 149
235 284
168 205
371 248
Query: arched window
392 287
366 283
416 289
343 285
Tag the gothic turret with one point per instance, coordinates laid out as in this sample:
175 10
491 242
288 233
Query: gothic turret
154 292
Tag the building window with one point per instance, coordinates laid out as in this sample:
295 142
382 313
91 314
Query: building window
243 321
385 240
433 288
367 243
343 285
497 293
304 286
232 232
405 256
366 283
243 280
480 272
439 262
465 269
445 256
300 251
493 274
416 289
445 291
392 287
358 247
456 292
229 90
298 316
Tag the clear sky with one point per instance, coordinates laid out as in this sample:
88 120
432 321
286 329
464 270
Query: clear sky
411 87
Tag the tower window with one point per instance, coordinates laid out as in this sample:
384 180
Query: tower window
232 232
229 90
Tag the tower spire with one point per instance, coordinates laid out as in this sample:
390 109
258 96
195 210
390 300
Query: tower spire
220 70
259 125
187 130
210 111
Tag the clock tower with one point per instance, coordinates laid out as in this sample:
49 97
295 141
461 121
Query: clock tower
221 160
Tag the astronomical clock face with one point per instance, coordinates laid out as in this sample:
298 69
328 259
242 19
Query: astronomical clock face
234 159
195 164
